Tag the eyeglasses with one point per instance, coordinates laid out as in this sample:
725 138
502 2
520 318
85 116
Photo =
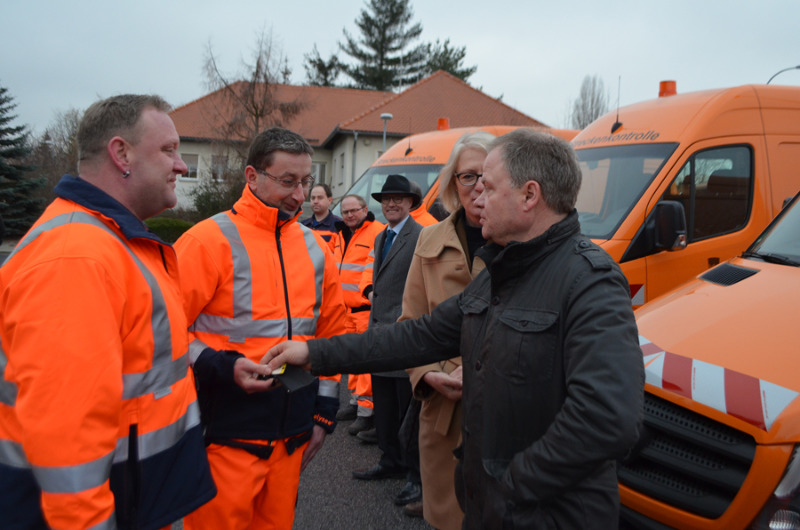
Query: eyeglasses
397 199
289 183
351 212
468 179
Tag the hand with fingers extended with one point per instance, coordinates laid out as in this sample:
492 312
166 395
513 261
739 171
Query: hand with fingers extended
246 374
289 352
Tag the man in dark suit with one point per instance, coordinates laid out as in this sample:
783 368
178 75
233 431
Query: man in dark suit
391 391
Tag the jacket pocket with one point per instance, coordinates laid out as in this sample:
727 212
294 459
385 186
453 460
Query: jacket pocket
473 305
531 340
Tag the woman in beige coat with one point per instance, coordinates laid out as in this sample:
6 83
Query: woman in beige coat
442 266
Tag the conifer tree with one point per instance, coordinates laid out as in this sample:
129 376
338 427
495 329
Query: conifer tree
385 58
19 206
441 56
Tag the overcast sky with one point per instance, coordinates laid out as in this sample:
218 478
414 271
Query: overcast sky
534 54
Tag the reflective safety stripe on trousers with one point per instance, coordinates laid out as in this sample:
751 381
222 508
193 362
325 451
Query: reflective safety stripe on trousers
157 381
242 325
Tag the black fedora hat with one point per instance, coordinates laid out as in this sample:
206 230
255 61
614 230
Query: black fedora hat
398 185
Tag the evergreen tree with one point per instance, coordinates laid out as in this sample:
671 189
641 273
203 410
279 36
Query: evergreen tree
320 72
383 58
442 57
19 207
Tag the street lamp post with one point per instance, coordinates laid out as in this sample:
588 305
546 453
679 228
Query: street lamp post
385 117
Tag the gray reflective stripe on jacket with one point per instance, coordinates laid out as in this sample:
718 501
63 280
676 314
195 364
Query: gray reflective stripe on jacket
77 478
12 454
358 267
157 380
350 286
8 390
165 371
242 325
157 441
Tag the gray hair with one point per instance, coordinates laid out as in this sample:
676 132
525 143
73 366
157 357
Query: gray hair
448 194
114 116
533 155
264 145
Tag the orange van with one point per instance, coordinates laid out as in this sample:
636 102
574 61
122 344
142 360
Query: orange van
719 448
678 184
420 157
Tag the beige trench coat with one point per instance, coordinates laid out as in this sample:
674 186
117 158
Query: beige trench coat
439 270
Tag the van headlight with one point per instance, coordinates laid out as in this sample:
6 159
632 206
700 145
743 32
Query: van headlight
782 510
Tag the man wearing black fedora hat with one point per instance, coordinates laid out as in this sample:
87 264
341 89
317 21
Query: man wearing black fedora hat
391 391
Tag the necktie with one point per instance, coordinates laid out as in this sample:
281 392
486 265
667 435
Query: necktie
390 234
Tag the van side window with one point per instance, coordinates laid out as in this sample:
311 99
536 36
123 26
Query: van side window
715 188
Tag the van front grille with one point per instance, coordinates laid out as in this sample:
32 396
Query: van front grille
687 460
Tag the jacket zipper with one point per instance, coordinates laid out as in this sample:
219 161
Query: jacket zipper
288 315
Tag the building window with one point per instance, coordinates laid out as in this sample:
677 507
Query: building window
191 164
318 171
219 165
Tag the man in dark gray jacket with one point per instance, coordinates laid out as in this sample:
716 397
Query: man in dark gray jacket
553 374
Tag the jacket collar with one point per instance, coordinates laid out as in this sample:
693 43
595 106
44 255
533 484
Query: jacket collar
341 226
518 256
260 213
447 232
91 197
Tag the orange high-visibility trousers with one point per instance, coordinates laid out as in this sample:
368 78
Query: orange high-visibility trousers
252 493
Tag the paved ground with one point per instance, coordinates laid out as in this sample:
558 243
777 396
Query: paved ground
330 498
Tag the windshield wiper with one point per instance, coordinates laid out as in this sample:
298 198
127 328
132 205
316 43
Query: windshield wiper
772 258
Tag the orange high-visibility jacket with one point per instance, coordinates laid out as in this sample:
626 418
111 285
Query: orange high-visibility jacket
99 422
423 216
354 257
252 280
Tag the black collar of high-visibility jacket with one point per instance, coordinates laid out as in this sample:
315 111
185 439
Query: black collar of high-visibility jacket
89 196
260 213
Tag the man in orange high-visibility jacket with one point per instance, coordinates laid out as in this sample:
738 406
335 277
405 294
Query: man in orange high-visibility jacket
254 277
353 254
99 421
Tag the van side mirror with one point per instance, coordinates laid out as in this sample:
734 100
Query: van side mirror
670 225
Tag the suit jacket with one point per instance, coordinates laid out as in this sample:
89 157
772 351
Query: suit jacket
389 278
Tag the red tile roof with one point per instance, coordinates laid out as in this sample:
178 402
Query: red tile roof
440 95
325 108
329 111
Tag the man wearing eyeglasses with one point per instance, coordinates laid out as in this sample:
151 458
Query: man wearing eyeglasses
252 277
391 391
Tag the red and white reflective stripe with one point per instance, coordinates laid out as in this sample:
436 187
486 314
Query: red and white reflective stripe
748 398
637 294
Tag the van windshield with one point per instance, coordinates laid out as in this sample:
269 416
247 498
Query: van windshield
614 179
373 178
780 243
